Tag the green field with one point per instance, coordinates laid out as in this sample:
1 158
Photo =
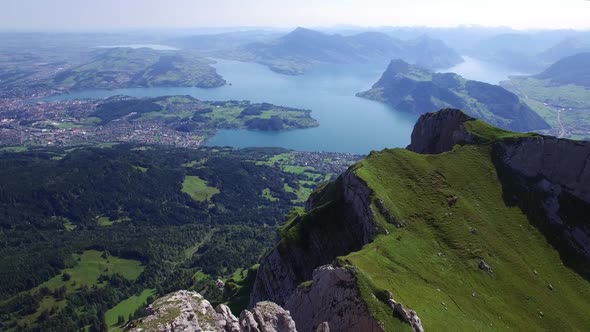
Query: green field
106 221
14 149
198 189
127 308
90 265
141 169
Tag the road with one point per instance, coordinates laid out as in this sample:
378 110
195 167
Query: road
562 128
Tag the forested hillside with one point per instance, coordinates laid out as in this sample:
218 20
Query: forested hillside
84 229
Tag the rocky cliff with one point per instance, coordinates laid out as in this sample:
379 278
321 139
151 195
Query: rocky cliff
344 208
549 179
384 199
331 298
438 132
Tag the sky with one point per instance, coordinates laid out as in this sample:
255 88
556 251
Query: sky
137 14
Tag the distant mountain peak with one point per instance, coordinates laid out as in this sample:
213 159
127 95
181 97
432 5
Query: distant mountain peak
574 69
397 66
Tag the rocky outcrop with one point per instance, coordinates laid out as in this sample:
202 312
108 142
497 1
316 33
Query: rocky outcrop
267 317
406 315
332 301
439 131
345 214
186 311
559 161
297 273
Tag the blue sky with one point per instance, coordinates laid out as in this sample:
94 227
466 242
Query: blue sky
117 14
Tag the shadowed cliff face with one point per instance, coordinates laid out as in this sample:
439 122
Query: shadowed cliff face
549 179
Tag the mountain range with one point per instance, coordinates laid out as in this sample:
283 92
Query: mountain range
301 49
573 69
125 67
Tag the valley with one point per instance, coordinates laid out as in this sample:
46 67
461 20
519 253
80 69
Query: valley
561 95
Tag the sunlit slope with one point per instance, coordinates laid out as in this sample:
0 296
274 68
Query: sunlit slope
454 217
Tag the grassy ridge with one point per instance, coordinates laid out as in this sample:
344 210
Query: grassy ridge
431 265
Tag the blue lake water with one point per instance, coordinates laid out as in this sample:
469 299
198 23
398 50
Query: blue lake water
347 123
483 71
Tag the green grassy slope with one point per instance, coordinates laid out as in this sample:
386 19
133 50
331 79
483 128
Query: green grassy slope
443 215
431 265
127 308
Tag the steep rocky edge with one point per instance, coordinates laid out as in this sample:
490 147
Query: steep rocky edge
438 132
303 245
455 232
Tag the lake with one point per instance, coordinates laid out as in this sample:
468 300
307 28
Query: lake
482 71
347 123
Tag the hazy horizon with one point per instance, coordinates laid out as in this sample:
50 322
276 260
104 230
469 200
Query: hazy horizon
75 15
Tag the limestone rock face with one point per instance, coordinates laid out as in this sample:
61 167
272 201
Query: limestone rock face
286 266
407 315
331 302
438 132
554 176
187 311
559 161
267 317
180 311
